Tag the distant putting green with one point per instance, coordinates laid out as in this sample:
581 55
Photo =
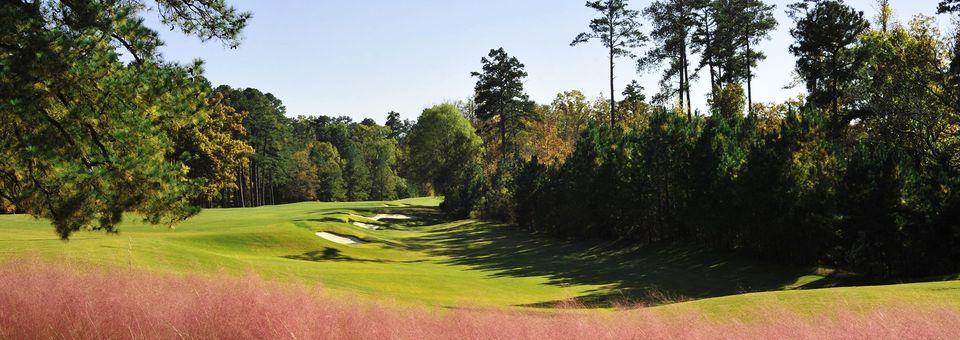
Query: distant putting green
428 259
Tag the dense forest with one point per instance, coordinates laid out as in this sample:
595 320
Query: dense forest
860 172
310 158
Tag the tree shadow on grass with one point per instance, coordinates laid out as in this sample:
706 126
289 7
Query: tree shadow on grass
648 275
334 254
420 216
628 275
327 254
850 279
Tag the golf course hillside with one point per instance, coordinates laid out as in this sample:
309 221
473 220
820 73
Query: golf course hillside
407 252
538 169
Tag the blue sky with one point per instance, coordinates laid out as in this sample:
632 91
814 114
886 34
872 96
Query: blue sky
365 58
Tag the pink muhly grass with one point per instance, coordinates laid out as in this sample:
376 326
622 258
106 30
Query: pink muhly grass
40 300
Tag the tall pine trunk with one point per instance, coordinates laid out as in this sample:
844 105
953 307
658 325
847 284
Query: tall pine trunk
241 187
680 90
503 135
711 62
613 103
684 64
686 81
255 192
253 185
259 186
749 74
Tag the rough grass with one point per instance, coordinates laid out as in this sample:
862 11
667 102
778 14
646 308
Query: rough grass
437 262
40 300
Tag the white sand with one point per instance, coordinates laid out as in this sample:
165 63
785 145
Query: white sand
367 225
340 239
378 217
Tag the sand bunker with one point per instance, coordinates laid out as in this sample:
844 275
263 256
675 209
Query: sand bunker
341 239
367 225
378 217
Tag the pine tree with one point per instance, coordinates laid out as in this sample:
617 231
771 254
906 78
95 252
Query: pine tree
827 49
726 34
500 96
86 136
673 22
619 31
756 21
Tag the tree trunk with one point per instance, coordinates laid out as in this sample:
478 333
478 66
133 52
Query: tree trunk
749 74
241 188
710 61
503 136
255 184
685 72
686 83
613 103
259 187
834 86
680 90
252 190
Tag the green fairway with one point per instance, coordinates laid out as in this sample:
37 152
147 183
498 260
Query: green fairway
435 261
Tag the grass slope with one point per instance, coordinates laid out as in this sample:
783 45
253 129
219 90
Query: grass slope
446 263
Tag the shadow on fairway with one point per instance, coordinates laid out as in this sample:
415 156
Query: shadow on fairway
334 254
327 254
630 275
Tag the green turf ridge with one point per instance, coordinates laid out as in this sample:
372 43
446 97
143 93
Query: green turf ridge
434 261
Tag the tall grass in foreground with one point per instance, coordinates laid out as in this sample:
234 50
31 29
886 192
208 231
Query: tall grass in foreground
55 301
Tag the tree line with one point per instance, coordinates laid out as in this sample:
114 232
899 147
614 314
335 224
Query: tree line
94 123
861 172
310 158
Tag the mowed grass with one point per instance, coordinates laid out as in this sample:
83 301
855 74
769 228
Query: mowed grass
434 261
